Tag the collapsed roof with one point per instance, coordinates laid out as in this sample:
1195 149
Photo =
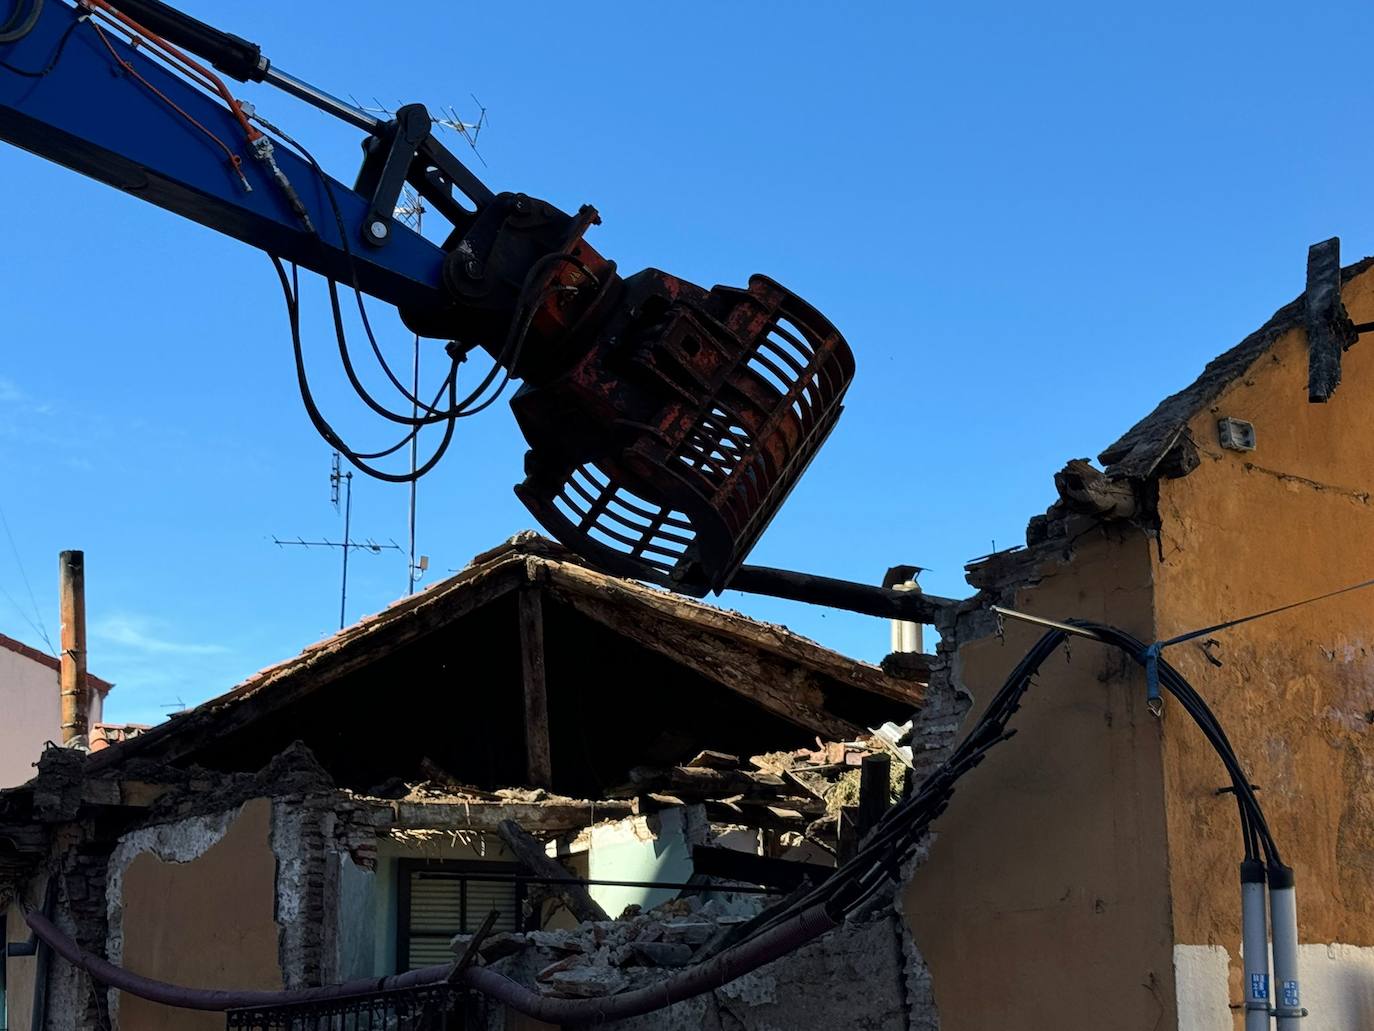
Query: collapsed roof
635 676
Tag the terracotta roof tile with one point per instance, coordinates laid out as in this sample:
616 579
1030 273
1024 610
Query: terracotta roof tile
44 659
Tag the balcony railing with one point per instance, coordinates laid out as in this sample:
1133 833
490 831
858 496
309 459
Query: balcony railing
430 1008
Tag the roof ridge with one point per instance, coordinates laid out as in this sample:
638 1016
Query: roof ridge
1141 448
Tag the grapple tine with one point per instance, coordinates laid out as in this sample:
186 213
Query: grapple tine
710 406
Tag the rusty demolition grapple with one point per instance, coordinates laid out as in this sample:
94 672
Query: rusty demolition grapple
666 423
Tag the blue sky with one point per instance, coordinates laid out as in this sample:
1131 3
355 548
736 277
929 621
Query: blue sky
1031 221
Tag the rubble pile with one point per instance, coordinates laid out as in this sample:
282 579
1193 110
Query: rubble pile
809 786
600 958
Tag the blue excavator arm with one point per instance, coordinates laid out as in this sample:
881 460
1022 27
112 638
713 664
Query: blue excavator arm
76 91
666 422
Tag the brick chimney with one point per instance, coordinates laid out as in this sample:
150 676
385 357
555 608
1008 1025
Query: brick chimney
72 675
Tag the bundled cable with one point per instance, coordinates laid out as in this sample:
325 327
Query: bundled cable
538 285
878 863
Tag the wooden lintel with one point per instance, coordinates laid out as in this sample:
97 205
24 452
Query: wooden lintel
548 818
538 759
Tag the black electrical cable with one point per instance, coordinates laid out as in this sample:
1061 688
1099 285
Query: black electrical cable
878 862
1175 683
57 53
21 21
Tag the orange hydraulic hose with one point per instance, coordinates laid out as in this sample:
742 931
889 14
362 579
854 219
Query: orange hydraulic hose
189 64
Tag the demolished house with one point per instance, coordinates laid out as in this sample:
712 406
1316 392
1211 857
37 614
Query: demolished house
469 751
632 781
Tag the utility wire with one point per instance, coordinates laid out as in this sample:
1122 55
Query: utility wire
41 629
879 861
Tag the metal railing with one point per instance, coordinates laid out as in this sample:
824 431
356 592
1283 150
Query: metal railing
428 1008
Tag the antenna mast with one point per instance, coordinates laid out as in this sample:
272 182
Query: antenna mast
341 490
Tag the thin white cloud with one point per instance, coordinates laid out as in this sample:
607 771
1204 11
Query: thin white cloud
141 635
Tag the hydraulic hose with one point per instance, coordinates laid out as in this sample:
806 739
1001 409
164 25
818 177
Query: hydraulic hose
231 54
22 21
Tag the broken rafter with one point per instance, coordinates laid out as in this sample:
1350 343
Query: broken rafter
529 850
538 757
699 782
786 684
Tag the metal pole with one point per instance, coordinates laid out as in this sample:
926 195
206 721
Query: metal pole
348 519
1254 945
72 675
839 594
415 440
1283 911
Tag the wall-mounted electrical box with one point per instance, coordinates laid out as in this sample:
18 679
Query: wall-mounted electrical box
1236 434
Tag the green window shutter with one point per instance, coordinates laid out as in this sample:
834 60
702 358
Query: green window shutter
441 900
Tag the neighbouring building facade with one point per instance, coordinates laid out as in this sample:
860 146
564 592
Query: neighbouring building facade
30 707
1087 874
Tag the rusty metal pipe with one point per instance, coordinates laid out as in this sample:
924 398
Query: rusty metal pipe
213 999
742 959
840 594
72 674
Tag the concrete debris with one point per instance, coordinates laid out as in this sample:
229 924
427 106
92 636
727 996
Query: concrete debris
603 957
586 982
662 953
691 932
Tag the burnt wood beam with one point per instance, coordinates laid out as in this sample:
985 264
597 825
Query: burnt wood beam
699 782
529 850
538 758
875 792
1330 331
731 864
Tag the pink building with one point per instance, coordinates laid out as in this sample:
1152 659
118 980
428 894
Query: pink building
30 707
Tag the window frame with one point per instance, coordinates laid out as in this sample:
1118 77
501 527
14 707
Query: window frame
463 871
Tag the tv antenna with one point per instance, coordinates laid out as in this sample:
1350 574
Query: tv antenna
341 489
411 211
447 118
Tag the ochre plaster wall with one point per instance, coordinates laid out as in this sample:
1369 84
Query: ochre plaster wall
1044 903
207 923
1250 531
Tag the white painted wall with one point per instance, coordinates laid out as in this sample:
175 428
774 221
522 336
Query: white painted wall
641 848
1337 987
30 714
